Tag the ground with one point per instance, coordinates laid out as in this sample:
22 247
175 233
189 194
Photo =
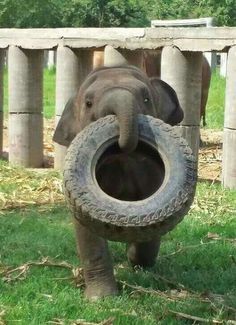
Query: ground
210 155
193 281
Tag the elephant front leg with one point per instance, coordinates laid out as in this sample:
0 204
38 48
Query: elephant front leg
143 254
96 262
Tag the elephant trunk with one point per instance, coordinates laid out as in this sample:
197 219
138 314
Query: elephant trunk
121 103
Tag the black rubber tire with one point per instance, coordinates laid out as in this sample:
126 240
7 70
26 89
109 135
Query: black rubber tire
125 220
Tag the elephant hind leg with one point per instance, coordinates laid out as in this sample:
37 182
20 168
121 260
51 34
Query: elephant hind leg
143 254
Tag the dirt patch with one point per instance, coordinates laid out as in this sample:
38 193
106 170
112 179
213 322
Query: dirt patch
210 153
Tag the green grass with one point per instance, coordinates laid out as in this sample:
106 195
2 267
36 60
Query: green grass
188 256
199 253
49 92
216 102
214 111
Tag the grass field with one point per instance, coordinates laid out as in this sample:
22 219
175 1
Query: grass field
215 105
194 280
216 102
195 274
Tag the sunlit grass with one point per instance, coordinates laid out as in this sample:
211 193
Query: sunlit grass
196 260
216 102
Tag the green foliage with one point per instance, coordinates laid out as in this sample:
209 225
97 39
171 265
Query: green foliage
104 13
49 85
110 13
224 11
30 13
216 102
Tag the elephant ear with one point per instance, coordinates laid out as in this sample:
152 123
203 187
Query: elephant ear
169 109
67 127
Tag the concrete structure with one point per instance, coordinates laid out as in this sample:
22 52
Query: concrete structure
185 77
198 22
2 59
223 64
72 68
25 106
229 141
75 48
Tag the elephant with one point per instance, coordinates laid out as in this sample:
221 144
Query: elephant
152 66
125 91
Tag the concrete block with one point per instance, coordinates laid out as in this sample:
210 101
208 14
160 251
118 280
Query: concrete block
26 139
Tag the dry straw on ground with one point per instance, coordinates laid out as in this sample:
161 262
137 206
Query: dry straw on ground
40 186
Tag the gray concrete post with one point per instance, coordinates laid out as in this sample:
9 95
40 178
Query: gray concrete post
183 71
2 58
72 68
229 138
223 64
25 106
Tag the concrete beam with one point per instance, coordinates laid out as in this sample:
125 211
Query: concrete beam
186 38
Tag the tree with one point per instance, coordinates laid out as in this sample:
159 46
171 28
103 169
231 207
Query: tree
30 13
224 11
105 13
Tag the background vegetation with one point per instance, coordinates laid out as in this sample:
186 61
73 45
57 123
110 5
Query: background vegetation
107 13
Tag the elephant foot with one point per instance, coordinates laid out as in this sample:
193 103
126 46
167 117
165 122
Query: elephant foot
95 291
143 254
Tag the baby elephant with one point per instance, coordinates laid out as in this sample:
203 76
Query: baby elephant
124 91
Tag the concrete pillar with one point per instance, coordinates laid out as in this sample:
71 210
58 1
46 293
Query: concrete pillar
72 68
51 59
212 59
2 58
229 138
223 64
183 71
25 106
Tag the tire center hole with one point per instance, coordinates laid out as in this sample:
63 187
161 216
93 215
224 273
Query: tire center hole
130 177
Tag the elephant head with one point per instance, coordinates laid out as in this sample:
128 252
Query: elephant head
120 89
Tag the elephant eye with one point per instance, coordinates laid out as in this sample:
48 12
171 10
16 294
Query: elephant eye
146 100
89 103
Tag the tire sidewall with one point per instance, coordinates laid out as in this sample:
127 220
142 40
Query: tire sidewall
122 220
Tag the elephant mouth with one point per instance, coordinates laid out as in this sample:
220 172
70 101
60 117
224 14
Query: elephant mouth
131 176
